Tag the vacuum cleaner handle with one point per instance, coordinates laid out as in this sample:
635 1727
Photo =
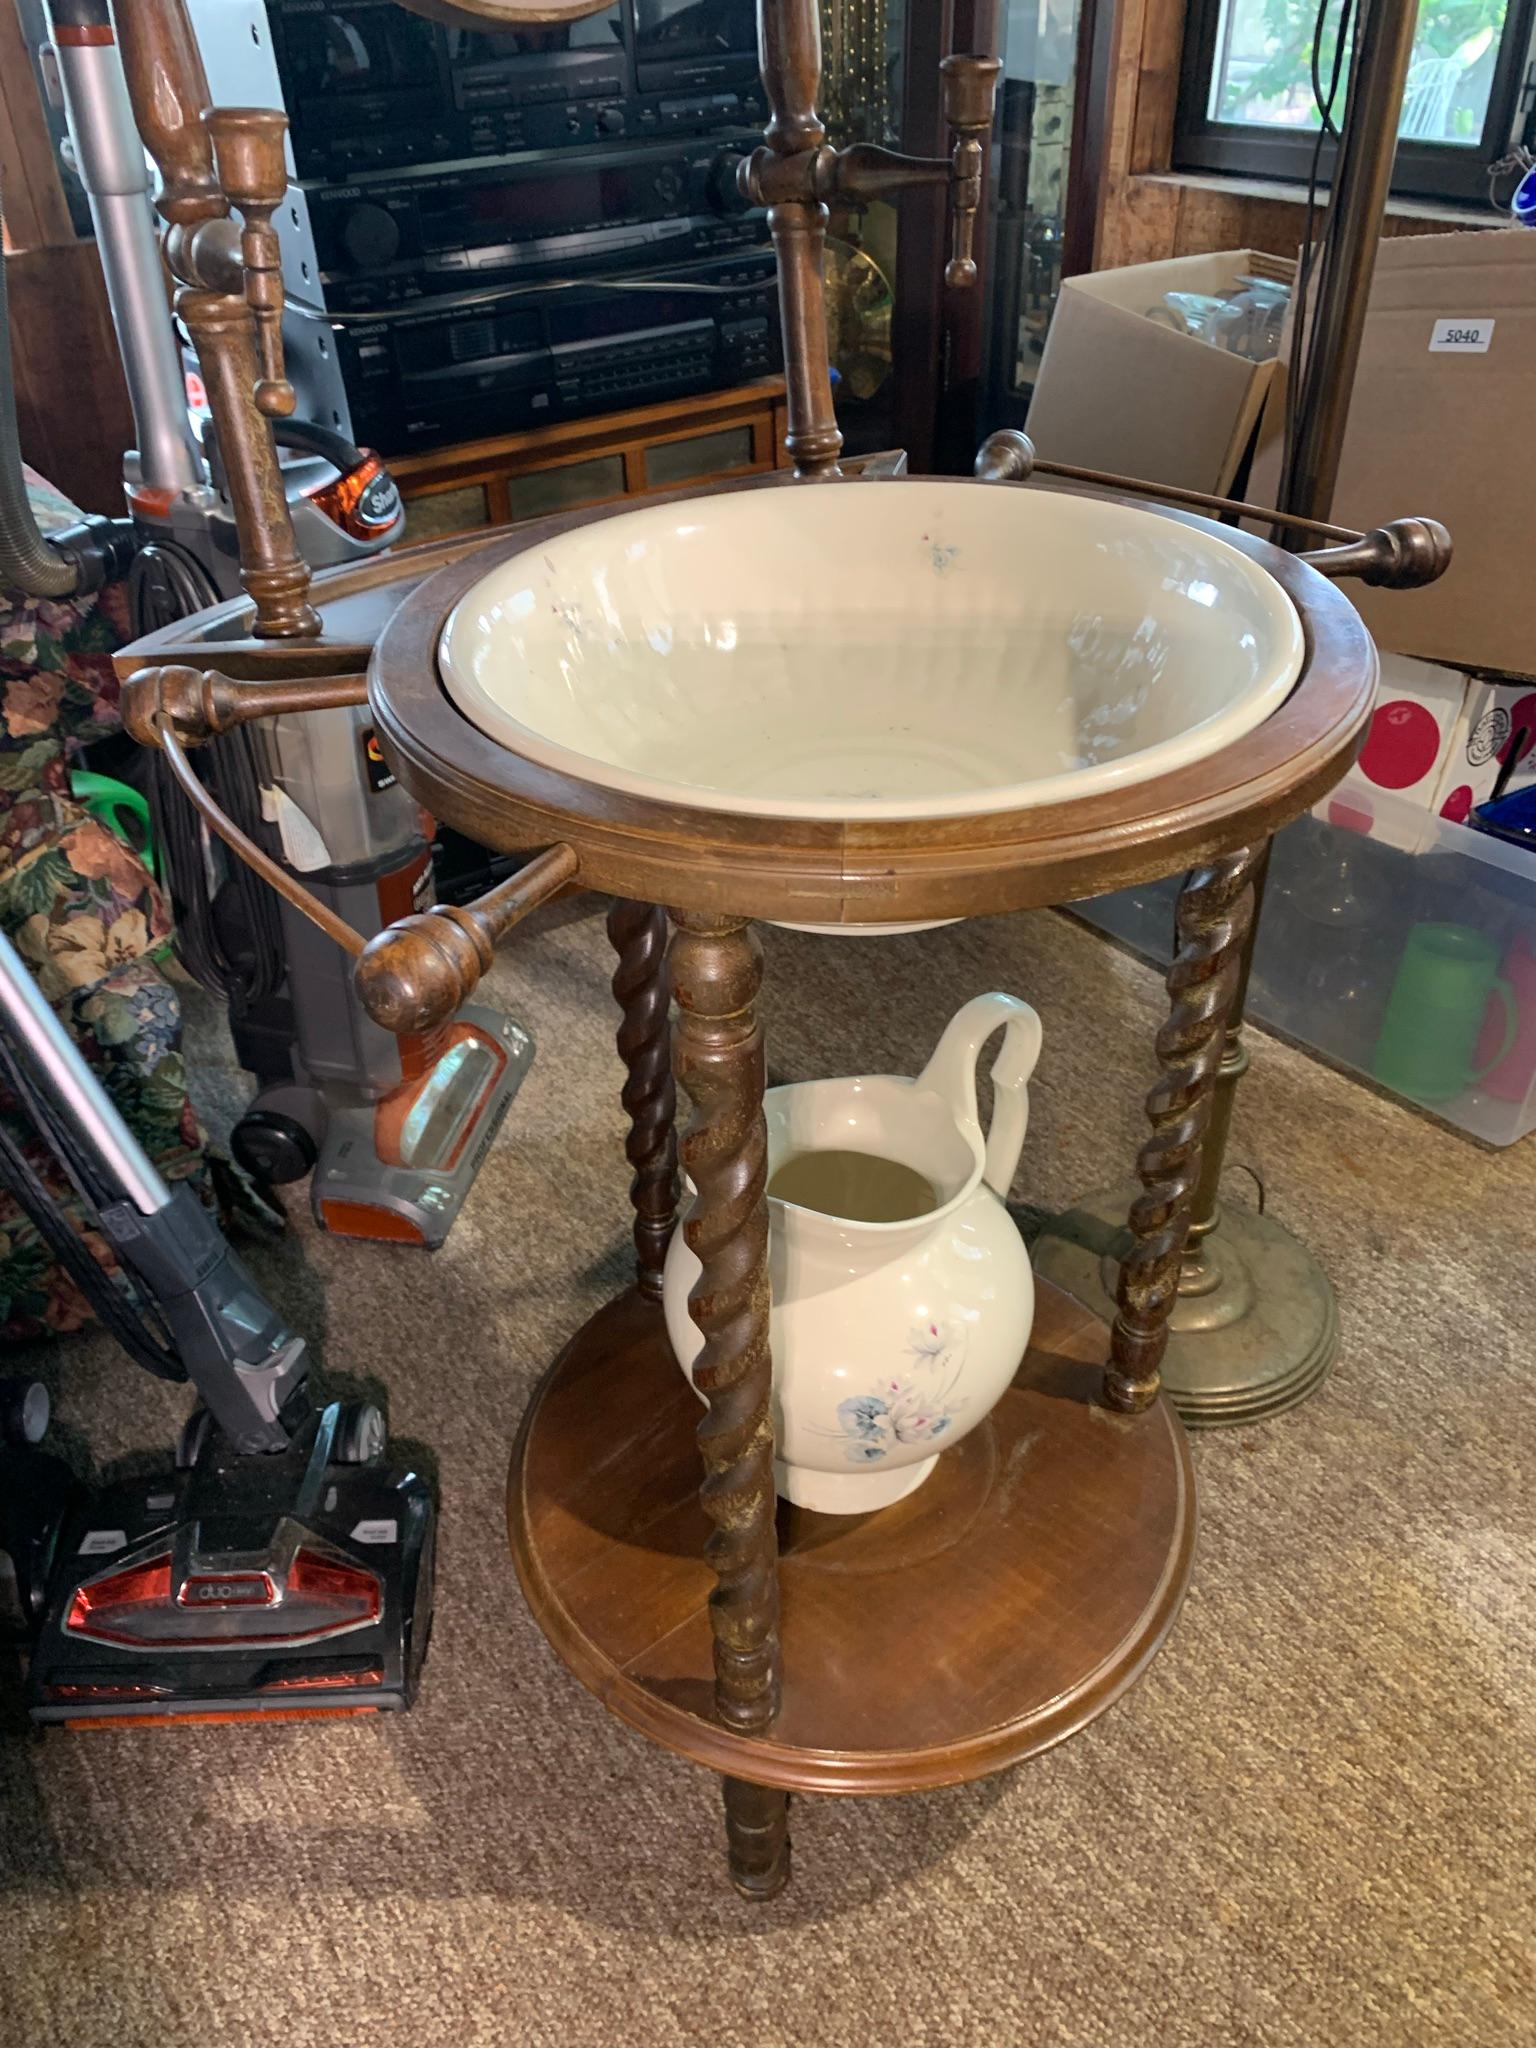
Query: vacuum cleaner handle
308 437
417 972
239 1352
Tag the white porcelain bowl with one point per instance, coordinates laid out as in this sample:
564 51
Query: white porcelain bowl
863 651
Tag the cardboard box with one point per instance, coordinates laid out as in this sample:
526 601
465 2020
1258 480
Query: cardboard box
1420 718
1499 719
1119 391
1443 422
1437 745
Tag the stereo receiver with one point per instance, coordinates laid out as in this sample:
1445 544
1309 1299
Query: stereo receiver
370 87
387 238
495 361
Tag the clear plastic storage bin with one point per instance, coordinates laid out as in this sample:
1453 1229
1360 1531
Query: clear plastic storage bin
1415 970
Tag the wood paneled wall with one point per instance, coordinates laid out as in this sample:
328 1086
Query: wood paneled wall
71 403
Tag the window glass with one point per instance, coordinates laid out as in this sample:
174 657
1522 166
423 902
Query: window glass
1262 74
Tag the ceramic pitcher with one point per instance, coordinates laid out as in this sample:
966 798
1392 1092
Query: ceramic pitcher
893 1339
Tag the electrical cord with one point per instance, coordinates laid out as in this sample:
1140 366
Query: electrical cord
1304 366
165 584
37 1106
205 913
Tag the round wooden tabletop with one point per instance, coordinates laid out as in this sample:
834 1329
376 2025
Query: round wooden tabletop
1039 1567
830 872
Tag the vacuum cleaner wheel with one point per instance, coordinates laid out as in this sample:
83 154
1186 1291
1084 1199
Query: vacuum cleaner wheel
360 1435
38 1495
25 1411
274 1149
194 1434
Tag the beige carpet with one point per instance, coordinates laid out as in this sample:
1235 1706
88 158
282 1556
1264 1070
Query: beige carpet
1310 1826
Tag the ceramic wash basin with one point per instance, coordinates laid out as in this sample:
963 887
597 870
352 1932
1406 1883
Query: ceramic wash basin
879 650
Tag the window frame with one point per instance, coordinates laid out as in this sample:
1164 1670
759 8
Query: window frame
1423 170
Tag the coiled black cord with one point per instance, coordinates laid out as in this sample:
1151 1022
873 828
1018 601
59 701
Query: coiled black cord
228 932
248 967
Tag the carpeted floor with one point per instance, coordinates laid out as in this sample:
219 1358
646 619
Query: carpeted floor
1311 1825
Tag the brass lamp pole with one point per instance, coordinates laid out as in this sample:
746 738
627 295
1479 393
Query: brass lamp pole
1255 1326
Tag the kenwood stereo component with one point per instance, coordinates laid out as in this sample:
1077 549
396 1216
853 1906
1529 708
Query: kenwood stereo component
387 238
369 86
695 46
442 370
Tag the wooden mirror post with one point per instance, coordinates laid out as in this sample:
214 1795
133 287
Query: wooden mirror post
240 361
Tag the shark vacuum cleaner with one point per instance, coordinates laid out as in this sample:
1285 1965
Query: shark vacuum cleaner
283 1569
390 1132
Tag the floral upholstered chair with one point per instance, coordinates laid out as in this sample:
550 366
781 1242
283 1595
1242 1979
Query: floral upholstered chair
85 914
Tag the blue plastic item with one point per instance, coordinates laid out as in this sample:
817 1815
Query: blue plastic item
1523 205
1511 818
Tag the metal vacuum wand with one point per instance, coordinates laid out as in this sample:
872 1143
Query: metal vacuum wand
110 159
243 1358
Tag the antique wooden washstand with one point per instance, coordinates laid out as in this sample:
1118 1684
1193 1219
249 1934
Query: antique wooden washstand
1026 1585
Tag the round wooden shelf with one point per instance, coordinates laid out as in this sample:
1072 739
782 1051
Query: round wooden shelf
994 1612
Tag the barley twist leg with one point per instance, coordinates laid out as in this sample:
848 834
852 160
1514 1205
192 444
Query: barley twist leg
716 973
1215 912
638 933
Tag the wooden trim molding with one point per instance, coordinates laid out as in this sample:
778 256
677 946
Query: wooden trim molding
497 465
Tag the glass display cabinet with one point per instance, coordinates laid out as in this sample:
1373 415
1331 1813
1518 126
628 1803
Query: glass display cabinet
1041 188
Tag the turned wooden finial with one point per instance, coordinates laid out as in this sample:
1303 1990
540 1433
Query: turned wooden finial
248 151
969 87
1405 554
419 972
183 695
1008 456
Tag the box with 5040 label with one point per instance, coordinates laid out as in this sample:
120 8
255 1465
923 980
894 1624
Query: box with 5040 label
1442 421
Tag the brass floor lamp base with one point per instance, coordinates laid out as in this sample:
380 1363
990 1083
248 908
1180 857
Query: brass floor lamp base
1253 1345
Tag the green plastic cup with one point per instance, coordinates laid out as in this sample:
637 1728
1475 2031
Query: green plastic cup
1448 975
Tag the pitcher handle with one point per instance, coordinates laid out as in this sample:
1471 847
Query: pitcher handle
951 1073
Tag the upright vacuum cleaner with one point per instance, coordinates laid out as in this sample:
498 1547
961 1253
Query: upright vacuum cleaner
390 1131
283 1569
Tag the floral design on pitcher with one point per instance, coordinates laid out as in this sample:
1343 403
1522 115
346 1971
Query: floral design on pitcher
915 1409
